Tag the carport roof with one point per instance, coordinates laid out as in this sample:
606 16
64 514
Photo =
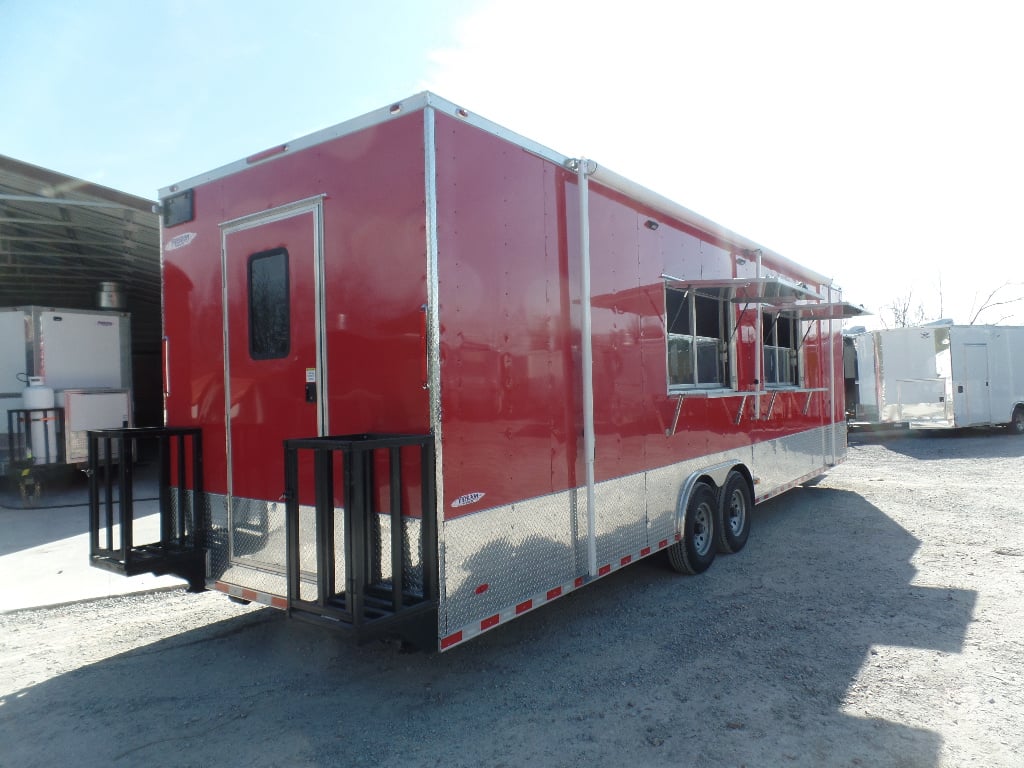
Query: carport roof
61 236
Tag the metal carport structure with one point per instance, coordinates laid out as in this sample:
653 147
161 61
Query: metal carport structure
60 237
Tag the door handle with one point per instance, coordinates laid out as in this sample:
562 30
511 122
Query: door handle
311 392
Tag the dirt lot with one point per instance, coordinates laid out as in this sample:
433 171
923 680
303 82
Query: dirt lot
874 619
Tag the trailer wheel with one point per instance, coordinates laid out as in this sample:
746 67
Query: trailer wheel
733 514
1017 421
694 553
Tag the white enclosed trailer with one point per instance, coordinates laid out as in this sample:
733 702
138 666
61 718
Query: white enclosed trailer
84 357
937 376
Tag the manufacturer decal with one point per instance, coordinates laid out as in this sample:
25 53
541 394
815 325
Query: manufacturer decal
468 498
179 241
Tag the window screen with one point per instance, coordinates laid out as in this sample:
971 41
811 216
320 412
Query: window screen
269 309
697 339
781 349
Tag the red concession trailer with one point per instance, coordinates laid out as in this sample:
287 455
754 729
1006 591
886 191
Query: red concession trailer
424 375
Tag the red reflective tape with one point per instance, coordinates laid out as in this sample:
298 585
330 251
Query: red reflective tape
489 622
451 640
578 583
220 586
482 588
524 606
645 552
250 595
679 537
278 602
626 560
663 543
603 570
553 593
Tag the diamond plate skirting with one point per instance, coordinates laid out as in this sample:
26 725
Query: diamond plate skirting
497 558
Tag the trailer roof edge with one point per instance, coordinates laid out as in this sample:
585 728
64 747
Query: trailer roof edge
391 111
428 99
659 202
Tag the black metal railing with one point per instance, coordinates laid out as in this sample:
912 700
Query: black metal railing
387 580
179 548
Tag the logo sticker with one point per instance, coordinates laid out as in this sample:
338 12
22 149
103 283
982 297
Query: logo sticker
180 241
468 498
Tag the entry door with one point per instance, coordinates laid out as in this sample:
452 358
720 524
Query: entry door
274 373
976 401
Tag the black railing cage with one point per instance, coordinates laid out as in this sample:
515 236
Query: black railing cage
178 548
383 578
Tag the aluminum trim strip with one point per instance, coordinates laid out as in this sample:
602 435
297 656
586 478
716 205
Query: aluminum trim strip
281 212
433 341
320 310
225 349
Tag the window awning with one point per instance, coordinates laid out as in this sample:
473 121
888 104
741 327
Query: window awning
642 300
750 290
840 310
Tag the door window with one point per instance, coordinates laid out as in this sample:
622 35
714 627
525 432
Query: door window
269 310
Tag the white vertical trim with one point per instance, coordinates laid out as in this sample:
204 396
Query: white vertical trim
831 378
227 362
587 363
320 309
433 340
759 346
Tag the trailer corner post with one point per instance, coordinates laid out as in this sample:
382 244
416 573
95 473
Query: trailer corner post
433 345
759 345
832 384
587 353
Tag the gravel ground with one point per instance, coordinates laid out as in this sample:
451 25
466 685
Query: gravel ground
874 619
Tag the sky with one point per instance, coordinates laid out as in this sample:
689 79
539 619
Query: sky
878 143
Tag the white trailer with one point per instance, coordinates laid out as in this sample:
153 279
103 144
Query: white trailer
937 376
84 357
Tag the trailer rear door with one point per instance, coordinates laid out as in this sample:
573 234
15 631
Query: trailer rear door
272 267
973 398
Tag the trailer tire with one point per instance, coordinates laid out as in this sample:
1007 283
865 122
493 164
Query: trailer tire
1017 421
734 505
695 551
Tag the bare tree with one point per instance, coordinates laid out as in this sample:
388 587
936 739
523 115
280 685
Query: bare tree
903 312
990 302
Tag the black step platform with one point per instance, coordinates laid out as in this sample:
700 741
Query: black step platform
179 551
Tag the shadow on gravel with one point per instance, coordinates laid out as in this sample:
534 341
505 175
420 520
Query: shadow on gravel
943 444
749 664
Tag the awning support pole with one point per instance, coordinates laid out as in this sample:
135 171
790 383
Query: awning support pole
759 347
587 350
831 376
